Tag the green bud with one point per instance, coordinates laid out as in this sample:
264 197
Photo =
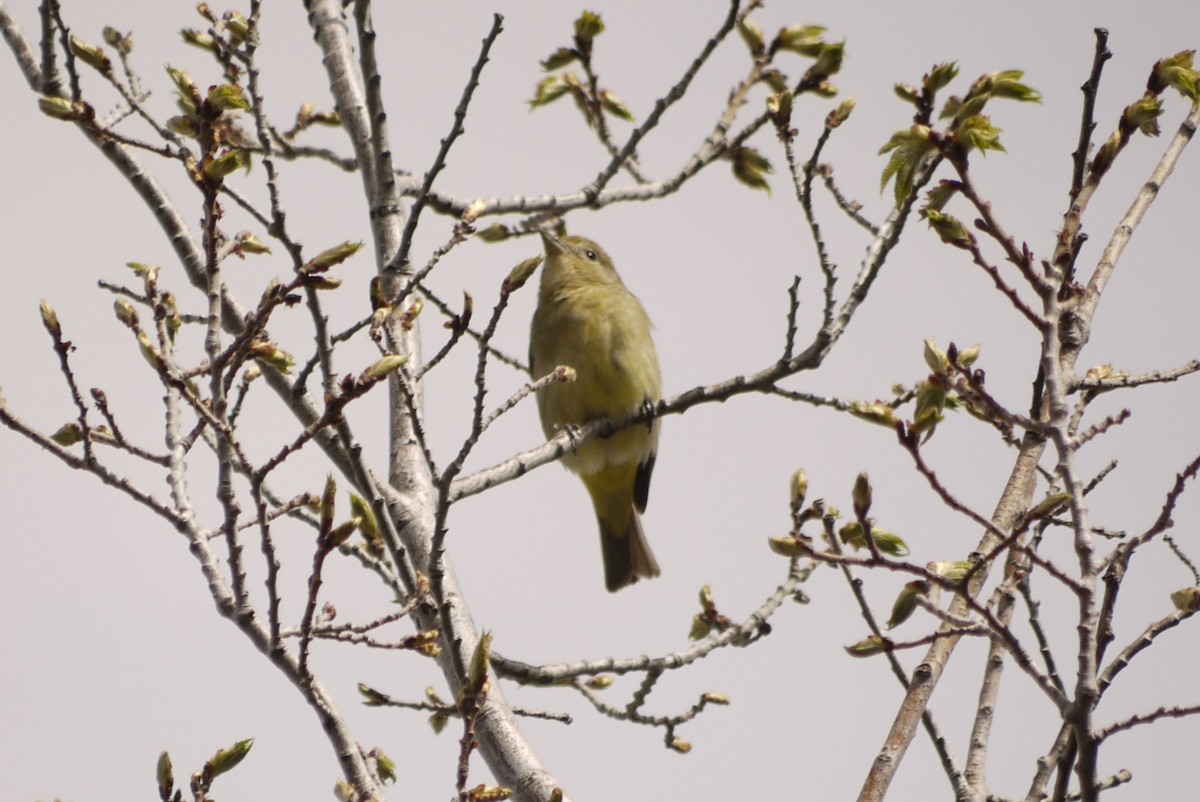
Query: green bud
184 125
250 244
588 27
840 114
125 312
825 89
237 26
332 257
384 367
90 55
931 403
790 546
679 745
600 682
344 792
149 350
906 602
780 106
438 722
342 532
803 39
328 501
361 509
936 359
165 776
1186 600
480 659
861 495
752 35
322 282
199 39
371 697
50 320
147 273
497 232
188 93
799 488
67 435
869 647
60 108
700 628
228 96
1049 506
775 79
273 355
968 356
953 570
227 759
113 38
829 62
522 272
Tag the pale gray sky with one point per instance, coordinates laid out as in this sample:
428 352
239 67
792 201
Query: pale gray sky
113 651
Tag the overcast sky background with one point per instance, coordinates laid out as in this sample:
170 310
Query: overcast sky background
112 650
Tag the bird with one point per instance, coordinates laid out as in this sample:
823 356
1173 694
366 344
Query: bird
588 320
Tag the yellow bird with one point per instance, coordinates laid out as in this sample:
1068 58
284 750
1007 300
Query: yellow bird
587 319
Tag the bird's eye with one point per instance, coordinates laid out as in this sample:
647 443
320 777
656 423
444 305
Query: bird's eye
590 254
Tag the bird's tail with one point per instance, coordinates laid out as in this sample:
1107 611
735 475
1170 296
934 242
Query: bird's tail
627 555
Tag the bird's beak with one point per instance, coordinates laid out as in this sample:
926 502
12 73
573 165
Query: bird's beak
553 245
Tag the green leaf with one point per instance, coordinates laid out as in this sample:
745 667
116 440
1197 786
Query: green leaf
560 58
1176 72
906 602
949 229
613 105
940 76
548 90
1007 84
1144 115
228 96
978 133
908 148
751 168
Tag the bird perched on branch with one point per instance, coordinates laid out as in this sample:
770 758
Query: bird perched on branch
588 320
